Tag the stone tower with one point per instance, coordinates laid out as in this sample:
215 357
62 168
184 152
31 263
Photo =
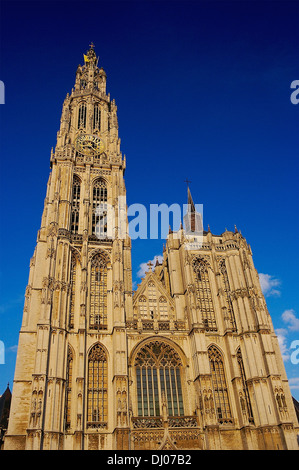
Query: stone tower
190 361
79 285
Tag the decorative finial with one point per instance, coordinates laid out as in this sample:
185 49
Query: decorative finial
150 264
90 57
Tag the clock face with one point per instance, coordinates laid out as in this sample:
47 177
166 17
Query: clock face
89 144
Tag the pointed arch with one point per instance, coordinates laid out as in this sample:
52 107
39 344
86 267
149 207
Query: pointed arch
102 253
227 290
99 208
221 397
98 293
68 387
75 208
97 116
97 387
158 369
203 293
82 116
73 280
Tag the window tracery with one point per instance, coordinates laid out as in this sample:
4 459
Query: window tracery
97 396
68 390
219 385
203 293
98 294
97 116
75 210
99 209
158 375
82 116
142 306
230 310
73 274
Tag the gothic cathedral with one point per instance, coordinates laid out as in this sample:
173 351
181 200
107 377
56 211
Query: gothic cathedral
188 361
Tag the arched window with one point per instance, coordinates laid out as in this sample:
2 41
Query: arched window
98 294
219 385
246 396
230 310
68 388
97 116
158 375
82 116
73 274
75 205
97 404
99 209
204 295
83 84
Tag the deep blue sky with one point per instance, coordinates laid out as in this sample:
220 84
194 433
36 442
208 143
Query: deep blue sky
203 92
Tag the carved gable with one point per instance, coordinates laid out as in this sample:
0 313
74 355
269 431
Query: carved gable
151 300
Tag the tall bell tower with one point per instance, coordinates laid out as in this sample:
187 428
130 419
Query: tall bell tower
79 286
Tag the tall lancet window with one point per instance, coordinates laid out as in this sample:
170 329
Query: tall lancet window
97 117
98 294
97 401
229 305
99 209
73 274
82 116
245 398
75 205
158 375
219 386
68 388
204 294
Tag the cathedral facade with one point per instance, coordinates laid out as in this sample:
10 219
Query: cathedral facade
188 361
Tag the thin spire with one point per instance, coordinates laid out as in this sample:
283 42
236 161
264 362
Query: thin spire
191 206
